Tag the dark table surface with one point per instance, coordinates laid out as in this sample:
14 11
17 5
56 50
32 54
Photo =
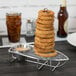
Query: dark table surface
30 69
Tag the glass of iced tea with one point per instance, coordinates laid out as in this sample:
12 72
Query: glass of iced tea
13 23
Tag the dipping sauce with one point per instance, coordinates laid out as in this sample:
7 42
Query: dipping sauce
21 49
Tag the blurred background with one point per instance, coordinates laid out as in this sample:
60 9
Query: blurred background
29 10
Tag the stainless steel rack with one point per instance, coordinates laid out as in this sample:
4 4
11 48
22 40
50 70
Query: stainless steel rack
52 62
